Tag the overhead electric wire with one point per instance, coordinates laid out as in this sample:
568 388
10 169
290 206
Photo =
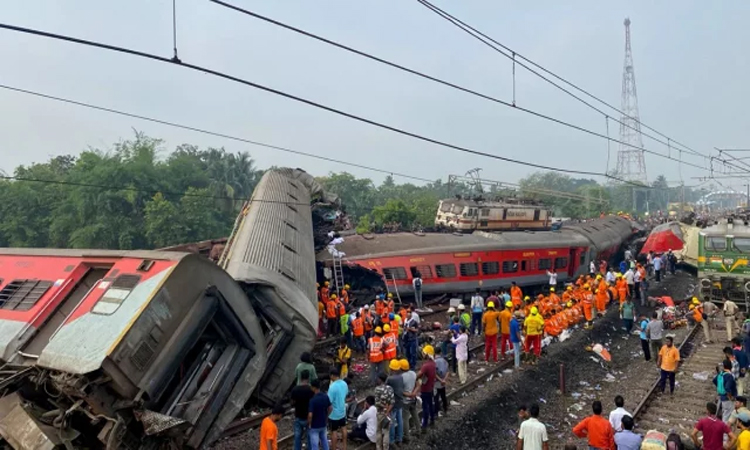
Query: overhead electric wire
456 86
316 104
461 24
211 133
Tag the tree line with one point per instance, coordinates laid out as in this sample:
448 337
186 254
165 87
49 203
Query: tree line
139 195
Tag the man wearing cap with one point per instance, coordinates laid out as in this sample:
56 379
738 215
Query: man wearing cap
426 378
740 407
375 354
730 311
491 326
464 317
396 382
534 325
505 316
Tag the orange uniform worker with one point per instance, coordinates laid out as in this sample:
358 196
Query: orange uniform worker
553 297
375 354
390 343
588 304
390 304
567 295
379 306
491 328
516 295
622 289
602 298
345 294
321 317
324 292
331 315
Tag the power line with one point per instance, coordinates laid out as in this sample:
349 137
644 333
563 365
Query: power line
313 103
466 27
210 133
450 84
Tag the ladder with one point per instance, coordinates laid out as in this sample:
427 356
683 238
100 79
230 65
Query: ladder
395 286
338 274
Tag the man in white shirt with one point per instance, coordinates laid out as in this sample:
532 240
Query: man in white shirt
592 268
615 417
637 287
366 422
477 309
629 279
552 278
610 277
730 311
533 434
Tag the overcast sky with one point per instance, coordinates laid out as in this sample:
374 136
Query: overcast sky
691 68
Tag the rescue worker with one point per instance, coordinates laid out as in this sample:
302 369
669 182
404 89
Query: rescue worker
491 327
553 297
375 349
379 306
332 315
322 323
588 305
367 322
390 304
567 295
622 288
516 294
358 333
345 299
602 298
534 327
698 314
346 331
324 292
464 318
390 342
343 357
527 306
505 316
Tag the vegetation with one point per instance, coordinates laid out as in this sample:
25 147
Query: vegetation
138 195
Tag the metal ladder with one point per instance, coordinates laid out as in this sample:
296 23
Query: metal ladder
338 274
395 287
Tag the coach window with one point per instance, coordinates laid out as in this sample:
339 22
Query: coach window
21 295
545 264
469 269
716 243
424 271
445 270
510 266
561 263
742 245
582 261
490 268
394 273
116 294
485 212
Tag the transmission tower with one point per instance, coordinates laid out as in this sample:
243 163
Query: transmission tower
631 164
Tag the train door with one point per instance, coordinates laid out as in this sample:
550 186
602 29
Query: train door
536 215
573 262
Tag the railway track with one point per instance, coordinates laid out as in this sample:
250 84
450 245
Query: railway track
680 412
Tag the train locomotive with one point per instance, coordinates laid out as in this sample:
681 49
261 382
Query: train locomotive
460 263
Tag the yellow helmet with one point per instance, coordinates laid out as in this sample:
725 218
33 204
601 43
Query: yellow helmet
386 328
618 275
491 304
696 301
586 286
378 330
527 298
570 304
509 304
428 350
390 295
346 286
534 311
404 364
333 295
570 288
691 307
599 276
394 365
326 284
552 289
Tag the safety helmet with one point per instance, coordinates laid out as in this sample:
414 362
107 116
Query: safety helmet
386 328
367 306
428 350
586 286
390 295
391 316
552 289
404 364
333 296
346 286
326 283
570 288
461 307
570 304
509 304
691 307
534 311
599 276
527 298
394 365
491 304
696 301
618 275
451 310
378 330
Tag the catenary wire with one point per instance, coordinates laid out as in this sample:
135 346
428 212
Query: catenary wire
211 133
447 16
439 80
313 103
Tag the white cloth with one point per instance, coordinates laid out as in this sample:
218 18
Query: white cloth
477 303
462 349
552 278
592 267
533 433
610 277
415 317
629 277
615 418
370 417
628 255
637 276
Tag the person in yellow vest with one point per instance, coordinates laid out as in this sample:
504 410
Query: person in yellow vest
343 356
375 355
534 327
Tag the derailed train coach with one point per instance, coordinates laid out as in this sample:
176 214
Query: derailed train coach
271 254
122 350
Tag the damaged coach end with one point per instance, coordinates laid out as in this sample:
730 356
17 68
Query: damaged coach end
122 350
271 254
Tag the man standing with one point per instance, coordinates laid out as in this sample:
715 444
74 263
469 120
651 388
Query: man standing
534 326
726 388
411 327
396 382
740 407
384 399
426 375
654 331
505 316
375 354
533 434
491 326
657 268
411 417
301 396
337 392
626 439
317 417
597 429
515 338
669 358
477 307
713 430
744 362
552 279
644 338
417 284
269 432
616 416
636 291
461 341
627 312
730 311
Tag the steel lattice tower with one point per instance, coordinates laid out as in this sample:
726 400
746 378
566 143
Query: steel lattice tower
631 164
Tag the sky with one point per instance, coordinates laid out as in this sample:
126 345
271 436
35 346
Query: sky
690 62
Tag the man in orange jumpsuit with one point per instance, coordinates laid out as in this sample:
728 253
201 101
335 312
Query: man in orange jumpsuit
491 328
345 294
622 288
588 305
553 297
516 295
332 315
602 298
505 316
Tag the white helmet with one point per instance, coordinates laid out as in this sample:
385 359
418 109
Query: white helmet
461 307
451 310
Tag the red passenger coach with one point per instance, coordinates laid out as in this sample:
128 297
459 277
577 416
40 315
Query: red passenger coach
463 262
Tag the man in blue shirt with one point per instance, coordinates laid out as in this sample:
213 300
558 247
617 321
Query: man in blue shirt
515 338
337 392
657 268
317 417
644 338
626 439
